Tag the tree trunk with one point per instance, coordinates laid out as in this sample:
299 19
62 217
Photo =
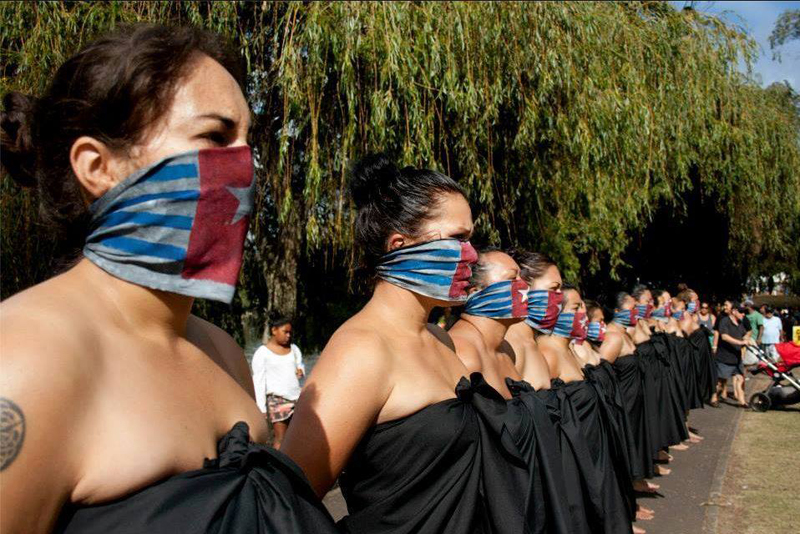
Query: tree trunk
280 269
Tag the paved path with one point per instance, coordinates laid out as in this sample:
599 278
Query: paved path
684 504
685 498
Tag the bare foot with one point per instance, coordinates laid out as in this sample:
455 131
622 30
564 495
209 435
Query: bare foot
663 471
664 456
693 435
645 486
680 447
641 516
637 530
644 509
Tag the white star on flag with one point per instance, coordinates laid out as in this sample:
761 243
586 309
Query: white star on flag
245 197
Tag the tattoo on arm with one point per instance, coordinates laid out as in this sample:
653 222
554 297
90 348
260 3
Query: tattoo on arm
12 431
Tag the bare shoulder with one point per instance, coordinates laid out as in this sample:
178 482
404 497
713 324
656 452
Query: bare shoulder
467 349
508 350
442 335
48 384
220 346
354 350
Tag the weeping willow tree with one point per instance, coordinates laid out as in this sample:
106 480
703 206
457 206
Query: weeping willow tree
569 124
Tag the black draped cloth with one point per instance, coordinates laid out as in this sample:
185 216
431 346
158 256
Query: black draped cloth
664 410
604 378
705 370
681 369
570 448
248 489
603 476
419 474
527 421
631 385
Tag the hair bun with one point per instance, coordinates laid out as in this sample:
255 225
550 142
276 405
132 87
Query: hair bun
682 287
370 175
17 154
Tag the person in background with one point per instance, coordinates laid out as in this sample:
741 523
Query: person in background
756 321
727 306
707 319
277 370
773 333
733 336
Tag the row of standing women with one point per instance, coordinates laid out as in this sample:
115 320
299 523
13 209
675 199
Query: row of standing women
124 413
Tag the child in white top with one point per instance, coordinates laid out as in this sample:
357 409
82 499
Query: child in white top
277 370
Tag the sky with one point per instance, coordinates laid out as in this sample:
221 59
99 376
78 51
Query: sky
758 19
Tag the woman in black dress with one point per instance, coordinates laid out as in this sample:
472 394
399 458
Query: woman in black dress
130 414
388 405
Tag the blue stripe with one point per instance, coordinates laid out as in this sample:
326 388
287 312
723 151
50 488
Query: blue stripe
180 222
433 279
435 252
145 248
177 171
171 195
422 265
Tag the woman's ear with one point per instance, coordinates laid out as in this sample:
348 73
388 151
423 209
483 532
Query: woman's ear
396 241
94 165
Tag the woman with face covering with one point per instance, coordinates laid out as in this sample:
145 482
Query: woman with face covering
604 471
644 314
700 335
609 346
664 372
544 303
630 367
528 477
388 403
128 413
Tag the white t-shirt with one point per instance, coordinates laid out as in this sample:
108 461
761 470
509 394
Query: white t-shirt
772 330
275 374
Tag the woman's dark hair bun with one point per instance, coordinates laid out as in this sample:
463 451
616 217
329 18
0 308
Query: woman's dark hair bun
17 153
370 175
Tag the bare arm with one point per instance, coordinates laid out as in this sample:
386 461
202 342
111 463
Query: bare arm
611 347
340 401
740 342
45 397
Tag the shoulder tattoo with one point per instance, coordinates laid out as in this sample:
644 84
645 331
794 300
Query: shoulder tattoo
12 431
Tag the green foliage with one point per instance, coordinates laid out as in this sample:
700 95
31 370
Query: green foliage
569 123
787 28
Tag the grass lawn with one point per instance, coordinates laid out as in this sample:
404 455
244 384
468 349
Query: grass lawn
761 491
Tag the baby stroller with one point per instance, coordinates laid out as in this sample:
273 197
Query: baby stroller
785 388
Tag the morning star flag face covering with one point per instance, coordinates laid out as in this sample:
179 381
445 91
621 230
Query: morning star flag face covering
571 325
438 269
663 313
644 311
502 300
678 315
626 317
692 307
543 309
177 225
596 331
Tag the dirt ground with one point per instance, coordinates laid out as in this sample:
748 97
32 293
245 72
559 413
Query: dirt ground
761 490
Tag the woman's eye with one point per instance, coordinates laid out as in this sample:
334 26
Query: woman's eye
218 138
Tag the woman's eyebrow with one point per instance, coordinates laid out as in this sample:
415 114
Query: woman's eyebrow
228 122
